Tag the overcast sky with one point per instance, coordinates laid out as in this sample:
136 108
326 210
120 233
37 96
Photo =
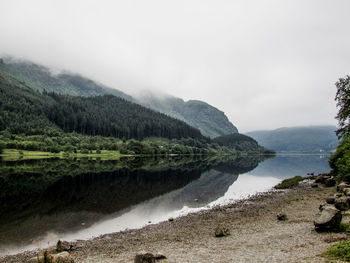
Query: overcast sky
265 63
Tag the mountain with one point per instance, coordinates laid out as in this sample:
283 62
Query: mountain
298 139
208 119
41 78
26 111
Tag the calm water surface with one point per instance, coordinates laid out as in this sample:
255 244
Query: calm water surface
42 201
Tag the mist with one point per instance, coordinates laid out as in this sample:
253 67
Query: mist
266 64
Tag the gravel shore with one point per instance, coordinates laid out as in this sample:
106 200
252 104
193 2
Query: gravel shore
256 234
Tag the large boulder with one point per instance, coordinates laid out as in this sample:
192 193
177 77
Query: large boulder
321 178
341 186
342 203
329 218
330 200
330 182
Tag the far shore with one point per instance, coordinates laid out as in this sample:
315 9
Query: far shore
256 234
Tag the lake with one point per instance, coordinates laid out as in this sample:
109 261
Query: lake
42 201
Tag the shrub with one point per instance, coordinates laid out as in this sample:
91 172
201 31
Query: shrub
340 251
289 183
84 151
340 160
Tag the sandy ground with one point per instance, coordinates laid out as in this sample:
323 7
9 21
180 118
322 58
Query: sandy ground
256 234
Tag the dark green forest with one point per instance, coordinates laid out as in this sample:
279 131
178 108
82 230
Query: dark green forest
24 111
51 122
209 120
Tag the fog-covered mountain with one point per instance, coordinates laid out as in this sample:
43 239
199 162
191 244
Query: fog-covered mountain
209 120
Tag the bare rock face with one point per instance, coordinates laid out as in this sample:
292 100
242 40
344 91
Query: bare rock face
221 231
329 218
146 257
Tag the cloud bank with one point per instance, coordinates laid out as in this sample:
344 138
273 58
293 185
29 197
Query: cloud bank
265 63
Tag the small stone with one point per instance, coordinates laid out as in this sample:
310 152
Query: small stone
314 185
221 231
63 246
282 217
171 219
196 200
146 257
160 258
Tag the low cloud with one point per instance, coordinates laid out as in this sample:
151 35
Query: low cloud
266 64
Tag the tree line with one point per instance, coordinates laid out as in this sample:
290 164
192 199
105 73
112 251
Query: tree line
25 111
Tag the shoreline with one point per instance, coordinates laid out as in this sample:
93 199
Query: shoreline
256 234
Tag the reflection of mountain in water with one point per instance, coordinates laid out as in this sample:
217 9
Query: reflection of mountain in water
112 191
58 196
209 187
284 166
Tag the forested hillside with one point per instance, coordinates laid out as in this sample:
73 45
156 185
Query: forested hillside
25 111
240 142
298 139
208 119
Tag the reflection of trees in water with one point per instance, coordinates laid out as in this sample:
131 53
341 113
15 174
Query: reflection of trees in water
61 186
52 195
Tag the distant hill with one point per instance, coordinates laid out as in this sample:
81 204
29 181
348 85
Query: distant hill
298 139
209 120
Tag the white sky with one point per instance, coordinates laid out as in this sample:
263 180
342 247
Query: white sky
265 63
